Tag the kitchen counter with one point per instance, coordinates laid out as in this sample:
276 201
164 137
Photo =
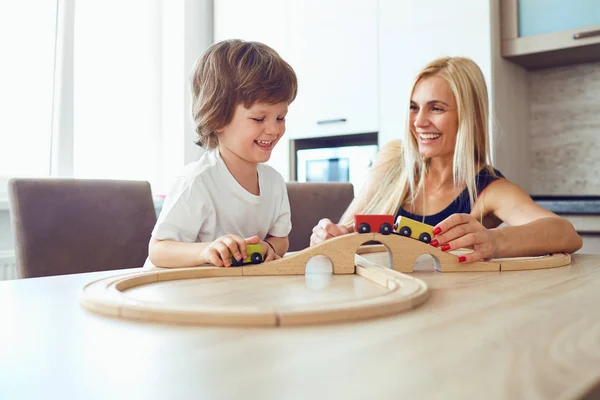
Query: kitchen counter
570 205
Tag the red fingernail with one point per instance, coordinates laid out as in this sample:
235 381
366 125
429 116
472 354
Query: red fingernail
434 243
462 259
437 231
445 247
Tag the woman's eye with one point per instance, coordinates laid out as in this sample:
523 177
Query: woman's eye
437 109
414 108
281 119
259 119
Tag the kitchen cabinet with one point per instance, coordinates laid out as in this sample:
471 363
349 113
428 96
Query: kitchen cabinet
333 48
547 33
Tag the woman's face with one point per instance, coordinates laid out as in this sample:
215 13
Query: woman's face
434 117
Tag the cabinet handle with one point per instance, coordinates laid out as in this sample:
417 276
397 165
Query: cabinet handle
330 121
583 35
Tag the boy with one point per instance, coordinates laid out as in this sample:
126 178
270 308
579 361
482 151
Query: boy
229 198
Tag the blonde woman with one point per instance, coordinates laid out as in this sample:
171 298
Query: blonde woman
442 175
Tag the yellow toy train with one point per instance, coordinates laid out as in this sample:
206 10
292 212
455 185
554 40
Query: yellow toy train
254 256
384 224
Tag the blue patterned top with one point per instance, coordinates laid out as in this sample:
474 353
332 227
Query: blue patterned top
460 205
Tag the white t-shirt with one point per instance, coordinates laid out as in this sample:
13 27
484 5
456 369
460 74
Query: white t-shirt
206 202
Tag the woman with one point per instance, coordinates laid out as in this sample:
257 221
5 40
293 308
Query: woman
443 176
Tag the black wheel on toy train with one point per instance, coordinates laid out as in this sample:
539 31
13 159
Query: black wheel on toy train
425 237
236 263
256 258
405 231
385 228
364 228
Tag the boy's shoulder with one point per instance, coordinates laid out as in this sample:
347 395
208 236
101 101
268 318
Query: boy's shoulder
206 166
270 173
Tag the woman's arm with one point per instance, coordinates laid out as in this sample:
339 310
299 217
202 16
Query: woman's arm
532 229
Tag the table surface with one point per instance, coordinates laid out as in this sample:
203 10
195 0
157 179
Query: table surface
493 335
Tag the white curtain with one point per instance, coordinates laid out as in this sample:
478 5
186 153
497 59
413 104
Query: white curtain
120 85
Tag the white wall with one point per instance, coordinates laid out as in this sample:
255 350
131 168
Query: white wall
411 34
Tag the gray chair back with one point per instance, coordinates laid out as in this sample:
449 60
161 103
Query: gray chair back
66 226
311 201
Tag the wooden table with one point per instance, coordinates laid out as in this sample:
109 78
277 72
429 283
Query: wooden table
491 335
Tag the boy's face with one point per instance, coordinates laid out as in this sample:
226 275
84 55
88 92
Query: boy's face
253 132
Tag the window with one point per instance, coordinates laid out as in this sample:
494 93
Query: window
99 89
117 89
27 38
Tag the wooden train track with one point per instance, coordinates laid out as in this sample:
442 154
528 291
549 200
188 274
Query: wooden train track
110 296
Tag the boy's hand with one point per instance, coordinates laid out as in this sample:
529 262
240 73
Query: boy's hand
220 251
269 253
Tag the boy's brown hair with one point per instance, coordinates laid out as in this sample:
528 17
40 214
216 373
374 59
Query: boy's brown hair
235 72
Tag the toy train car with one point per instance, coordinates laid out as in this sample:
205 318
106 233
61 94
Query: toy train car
384 224
254 256
414 229
365 223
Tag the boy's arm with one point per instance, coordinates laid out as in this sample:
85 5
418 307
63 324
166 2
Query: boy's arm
280 244
172 254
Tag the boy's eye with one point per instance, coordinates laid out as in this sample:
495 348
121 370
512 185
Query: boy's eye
259 119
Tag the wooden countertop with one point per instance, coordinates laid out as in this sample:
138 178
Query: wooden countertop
492 335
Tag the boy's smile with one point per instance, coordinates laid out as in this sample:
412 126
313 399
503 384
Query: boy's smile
265 144
252 134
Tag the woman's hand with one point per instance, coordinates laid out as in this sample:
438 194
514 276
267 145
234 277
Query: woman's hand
464 231
326 229
219 252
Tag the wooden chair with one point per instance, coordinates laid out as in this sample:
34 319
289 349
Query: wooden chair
66 226
311 201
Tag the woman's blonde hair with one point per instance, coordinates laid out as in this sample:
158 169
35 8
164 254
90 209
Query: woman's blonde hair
405 177
235 72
